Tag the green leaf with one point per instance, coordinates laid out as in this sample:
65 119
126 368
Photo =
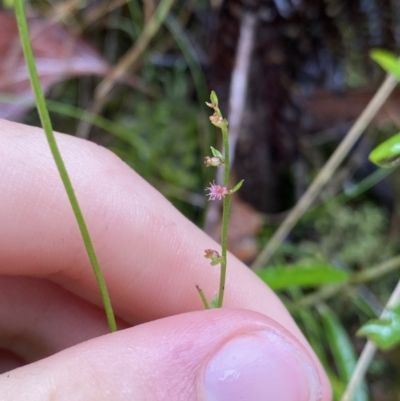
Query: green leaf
237 186
384 332
216 261
387 154
216 153
280 277
387 60
203 297
342 349
214 98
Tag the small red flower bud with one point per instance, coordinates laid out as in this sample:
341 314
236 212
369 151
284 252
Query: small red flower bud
211 254
214 256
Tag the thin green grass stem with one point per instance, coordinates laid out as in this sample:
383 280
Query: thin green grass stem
46 123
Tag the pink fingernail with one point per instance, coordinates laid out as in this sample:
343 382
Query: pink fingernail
261 366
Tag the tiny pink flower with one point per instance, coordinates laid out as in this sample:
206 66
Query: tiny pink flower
213 255
217 191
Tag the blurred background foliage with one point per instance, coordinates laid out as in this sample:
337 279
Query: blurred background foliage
310 77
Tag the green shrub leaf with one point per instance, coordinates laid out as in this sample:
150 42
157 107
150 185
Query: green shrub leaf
387 60
387 154
385 332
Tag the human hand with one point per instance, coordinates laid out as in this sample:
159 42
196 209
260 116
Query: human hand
52 323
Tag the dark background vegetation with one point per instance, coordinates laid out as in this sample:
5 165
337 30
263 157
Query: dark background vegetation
310 78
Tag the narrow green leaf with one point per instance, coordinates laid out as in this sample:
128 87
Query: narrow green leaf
216 153
312 329
280 277
203 297
315 334
387 154
385 332
342 349
387 60
214 98
237 186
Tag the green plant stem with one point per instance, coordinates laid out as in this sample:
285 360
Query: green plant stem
203 297
225 219
46 123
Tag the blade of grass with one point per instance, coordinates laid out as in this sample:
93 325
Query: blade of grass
46 123
136 15
342 349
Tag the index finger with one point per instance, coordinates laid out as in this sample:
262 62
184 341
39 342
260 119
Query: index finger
151 255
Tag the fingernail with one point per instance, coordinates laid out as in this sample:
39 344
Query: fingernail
261 366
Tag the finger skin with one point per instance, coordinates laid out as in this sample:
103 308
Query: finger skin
39 318
151 255
157 361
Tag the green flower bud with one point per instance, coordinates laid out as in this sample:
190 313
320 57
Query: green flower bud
213 161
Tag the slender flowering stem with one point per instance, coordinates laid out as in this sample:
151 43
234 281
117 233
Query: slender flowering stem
218 192
225 218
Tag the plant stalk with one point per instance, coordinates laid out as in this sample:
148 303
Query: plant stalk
225 219
46 123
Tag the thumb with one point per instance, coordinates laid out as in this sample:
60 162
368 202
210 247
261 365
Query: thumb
215 355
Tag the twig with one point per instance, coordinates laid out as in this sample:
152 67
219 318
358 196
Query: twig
327 172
